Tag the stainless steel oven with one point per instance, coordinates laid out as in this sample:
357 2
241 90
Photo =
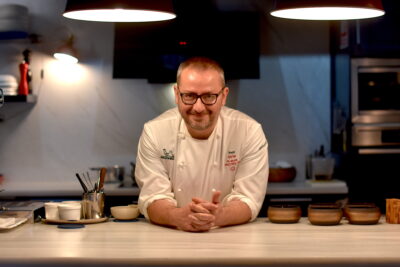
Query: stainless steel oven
375 105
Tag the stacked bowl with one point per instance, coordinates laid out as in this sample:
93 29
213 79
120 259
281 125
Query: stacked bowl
9 84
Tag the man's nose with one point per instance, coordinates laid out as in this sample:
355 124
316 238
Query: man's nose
198 106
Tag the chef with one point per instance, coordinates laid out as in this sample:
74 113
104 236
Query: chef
201 165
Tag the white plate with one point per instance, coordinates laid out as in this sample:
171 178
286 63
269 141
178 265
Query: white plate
17 222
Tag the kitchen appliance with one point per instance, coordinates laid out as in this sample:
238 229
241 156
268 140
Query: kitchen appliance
375 105
114 174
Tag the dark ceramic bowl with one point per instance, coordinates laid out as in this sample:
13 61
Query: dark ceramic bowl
281 175
284 213
362 213
324 214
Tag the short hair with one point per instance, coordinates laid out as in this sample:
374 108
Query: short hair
200 63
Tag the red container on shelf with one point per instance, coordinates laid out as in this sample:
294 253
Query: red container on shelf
23 88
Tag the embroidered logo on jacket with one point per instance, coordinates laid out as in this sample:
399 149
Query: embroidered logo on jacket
167 154
232 161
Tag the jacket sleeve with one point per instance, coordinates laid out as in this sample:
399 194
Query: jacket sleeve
151 175
251 179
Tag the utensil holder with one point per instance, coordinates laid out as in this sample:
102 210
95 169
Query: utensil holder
93 205
322 168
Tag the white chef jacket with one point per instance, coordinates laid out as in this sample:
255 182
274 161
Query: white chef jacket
172 165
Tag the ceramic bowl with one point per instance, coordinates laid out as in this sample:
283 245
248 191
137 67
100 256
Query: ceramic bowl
51 210
324 214
362 213
125 212
281 175
69 212
284 213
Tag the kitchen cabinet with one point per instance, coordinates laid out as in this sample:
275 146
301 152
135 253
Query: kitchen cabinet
260 243
14 105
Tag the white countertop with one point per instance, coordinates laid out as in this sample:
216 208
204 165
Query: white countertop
45 190
257 243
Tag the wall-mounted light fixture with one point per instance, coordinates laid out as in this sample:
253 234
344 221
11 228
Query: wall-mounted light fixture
327 9
120 10
67 52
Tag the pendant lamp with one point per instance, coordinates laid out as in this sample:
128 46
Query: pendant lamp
327 9
67 52
120 10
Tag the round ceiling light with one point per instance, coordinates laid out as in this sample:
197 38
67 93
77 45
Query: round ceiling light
328 9
119 11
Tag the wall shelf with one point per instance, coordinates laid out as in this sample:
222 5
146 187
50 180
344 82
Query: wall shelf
16 104
20 99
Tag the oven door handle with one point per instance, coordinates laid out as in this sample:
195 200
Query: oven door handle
379 151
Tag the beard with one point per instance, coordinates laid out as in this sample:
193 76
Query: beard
199 122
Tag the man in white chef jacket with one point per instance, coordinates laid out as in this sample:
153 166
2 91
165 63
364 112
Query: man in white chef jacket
201 164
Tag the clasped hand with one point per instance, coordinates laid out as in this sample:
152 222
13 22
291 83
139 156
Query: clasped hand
202 215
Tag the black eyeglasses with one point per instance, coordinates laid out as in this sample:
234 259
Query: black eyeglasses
206 99
1 97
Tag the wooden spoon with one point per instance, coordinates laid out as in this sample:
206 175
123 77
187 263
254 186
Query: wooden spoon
103 172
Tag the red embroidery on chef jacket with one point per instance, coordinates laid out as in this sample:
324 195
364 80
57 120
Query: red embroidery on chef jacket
232 161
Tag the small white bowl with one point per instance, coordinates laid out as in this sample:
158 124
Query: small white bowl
69 212
72 202
125 212
51 210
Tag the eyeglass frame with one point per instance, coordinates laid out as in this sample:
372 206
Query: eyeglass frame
2 97
200 96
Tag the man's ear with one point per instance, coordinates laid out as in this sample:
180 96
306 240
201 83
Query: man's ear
176 92
225 93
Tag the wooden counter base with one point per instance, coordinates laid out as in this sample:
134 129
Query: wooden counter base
258 243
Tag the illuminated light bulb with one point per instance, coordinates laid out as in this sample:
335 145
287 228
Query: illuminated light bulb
328 13
66 58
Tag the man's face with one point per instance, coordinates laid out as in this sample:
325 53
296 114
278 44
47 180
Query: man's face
200 119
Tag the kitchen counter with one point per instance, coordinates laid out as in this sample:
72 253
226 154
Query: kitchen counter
298 187
258 243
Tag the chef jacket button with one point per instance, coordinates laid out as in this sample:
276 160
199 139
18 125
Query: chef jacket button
179 190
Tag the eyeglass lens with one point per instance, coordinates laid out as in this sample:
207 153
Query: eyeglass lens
207 99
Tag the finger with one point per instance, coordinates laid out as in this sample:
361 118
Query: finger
202 217
198 208
203 228
209 206
197 222
190 228
215 197
198 200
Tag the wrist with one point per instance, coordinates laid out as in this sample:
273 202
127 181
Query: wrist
219 216
172 215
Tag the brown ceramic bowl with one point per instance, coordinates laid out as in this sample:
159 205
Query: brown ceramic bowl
362 213
284 213
324 214
281 175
